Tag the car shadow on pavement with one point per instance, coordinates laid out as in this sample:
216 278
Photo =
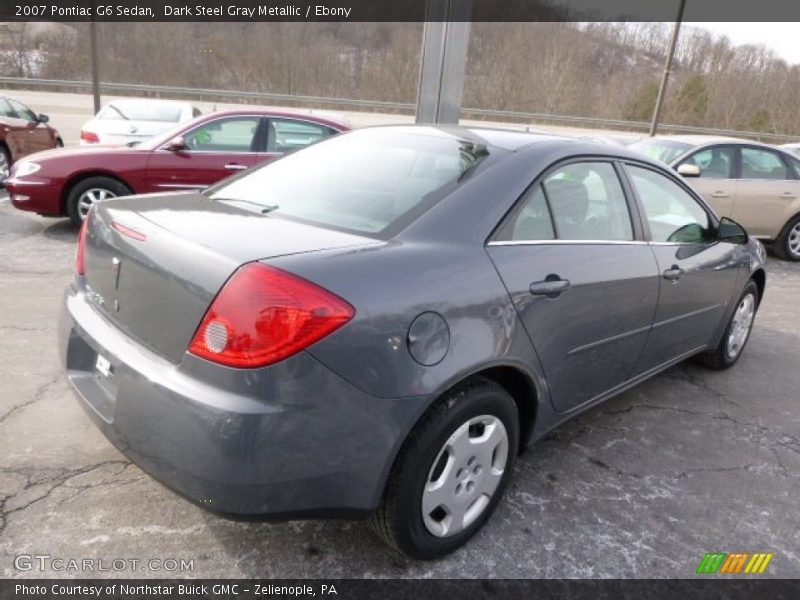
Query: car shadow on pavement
62 230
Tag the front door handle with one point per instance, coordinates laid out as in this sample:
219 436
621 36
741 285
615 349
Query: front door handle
235 167
552 286
720 194
788 196
674 273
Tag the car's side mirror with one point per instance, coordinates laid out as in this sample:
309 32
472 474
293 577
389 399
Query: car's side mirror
43 118
730 231
688 170
176 144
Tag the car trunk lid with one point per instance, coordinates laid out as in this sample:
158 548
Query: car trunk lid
155 263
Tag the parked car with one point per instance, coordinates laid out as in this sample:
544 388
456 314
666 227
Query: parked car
22 132
135 120
755 184
794 148
378 324
192 156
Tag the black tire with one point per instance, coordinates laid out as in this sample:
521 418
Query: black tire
113 187
59 143
399 520
719 358
789 235
5 164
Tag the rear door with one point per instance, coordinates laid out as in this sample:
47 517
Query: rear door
697 273
717 182
287 135
215 149
583 280
767 189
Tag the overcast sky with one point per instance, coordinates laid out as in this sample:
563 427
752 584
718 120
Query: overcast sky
783 38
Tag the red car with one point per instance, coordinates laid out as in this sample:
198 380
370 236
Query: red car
192 156
22 132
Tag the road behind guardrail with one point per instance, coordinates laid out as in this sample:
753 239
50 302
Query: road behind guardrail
369 112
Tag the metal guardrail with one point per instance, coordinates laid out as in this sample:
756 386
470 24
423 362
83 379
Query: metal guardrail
515 116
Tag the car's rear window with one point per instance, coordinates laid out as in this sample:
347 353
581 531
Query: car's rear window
663 150
138 111
367 182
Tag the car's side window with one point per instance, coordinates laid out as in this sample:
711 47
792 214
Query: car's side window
286 135
23 111
531 222
579 201
234 134
587 203
715 162
6 110
671 212
759 163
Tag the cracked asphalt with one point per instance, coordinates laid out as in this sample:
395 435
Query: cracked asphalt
642 486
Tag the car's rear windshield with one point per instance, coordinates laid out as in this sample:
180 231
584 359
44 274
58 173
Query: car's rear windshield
663 150
140 111
370 182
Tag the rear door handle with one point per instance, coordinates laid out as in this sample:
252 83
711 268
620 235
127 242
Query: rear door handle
788 196
235 167
552 287
720 194
674 273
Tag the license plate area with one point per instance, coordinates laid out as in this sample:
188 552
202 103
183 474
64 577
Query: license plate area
105 376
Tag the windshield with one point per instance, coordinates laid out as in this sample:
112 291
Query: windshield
141 111
662 150
367 182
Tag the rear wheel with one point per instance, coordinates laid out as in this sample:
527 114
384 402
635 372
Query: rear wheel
451 473
737 333
89 192
788 243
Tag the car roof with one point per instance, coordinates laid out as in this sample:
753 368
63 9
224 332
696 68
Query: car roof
503 139
707 140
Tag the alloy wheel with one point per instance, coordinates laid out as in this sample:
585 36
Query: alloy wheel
90 197
740 328
465 475
793 241
5 168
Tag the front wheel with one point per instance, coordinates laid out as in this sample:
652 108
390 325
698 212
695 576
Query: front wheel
5 164
788 243
451 472
737 333
89 192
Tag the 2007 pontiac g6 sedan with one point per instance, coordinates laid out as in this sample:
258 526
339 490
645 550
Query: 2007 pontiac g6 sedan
377 325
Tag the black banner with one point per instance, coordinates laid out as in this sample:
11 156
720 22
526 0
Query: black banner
390 589
396 10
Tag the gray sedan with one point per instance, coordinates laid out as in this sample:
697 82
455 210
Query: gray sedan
377 325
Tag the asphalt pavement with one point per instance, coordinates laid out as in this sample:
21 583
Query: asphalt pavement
692 461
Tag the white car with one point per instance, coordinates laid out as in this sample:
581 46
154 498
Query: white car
135 120
794 148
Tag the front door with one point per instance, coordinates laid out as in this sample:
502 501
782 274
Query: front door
15 131
215 149
37 133
697 272
583 282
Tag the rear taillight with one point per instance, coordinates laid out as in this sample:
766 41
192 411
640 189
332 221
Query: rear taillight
263 315
80 261
89 136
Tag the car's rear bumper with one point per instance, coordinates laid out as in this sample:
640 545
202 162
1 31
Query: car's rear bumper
291 440
35 196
